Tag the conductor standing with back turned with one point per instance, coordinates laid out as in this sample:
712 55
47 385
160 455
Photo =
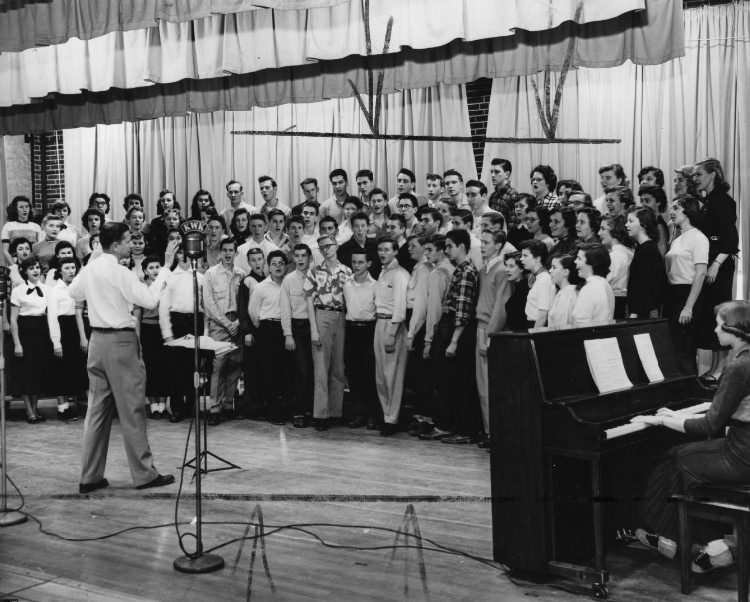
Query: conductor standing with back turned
117 375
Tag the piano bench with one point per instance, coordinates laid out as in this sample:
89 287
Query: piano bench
728 504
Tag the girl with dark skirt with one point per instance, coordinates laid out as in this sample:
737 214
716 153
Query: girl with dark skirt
723 458
719 224
157 374
28 327
515 306
647 278
68 367
686 263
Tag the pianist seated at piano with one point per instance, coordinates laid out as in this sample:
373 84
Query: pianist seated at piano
596 301
723 459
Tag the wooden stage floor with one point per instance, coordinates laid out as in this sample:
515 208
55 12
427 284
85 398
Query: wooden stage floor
323 496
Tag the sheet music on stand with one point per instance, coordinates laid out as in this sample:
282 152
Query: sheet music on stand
206 344
646 352
606 365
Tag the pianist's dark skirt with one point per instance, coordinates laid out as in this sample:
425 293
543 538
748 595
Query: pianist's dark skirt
724 460
31 372
69 376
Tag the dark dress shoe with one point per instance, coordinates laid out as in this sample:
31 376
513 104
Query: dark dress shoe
358 422
435 434
175 417
388 429
484 442
299 422
34 419
277 420
321 424
214 419
159 481
84 488
372 425
157 415
459 439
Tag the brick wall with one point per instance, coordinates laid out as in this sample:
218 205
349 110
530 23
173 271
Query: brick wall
478 98
48 170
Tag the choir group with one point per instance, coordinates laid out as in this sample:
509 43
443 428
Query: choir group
391 298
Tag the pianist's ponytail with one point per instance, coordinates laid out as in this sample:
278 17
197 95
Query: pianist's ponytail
736 316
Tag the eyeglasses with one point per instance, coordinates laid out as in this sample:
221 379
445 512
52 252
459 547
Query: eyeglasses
404 207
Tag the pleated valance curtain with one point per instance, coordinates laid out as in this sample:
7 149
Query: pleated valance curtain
197 151
665 115
31 24
265 57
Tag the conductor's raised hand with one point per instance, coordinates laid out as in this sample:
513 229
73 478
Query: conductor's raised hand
170 252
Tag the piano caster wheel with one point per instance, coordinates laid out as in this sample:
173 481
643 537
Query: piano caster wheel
600 591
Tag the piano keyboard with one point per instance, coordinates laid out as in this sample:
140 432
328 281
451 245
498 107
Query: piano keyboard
627 429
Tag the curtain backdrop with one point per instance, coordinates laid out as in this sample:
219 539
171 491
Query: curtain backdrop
665 115
31 24
197 151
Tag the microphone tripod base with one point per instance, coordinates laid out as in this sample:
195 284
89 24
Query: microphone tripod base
11 517
207 563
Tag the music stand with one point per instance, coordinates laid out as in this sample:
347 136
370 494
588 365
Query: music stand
195 461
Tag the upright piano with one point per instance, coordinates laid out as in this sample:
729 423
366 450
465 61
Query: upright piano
567 466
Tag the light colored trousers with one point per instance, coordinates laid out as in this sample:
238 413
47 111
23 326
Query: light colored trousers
117 378
226 371
483 386
389 370
328 364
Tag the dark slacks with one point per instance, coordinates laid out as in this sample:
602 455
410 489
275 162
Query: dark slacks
302 391
456 400
360 369
418 386
272 364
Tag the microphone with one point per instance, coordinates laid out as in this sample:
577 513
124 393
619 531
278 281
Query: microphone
194 238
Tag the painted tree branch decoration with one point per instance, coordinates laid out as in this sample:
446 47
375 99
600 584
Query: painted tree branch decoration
548 115
374 96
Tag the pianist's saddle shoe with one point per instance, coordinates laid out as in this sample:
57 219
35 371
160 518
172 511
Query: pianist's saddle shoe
715 555
664 546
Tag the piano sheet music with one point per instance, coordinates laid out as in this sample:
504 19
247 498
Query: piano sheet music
606 365
646 352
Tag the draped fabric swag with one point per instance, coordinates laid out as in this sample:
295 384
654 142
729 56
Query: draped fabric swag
198 151
665 115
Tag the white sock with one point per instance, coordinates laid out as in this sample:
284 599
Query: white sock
62 407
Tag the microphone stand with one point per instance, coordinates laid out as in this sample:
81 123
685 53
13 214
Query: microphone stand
198 562
7 517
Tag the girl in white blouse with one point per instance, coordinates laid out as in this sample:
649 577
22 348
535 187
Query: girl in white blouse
596 301
614 237
565 277
28 327
66 332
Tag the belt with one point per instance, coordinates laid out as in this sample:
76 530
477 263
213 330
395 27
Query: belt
360 322
384 316
336 309
300 321
97 329
271 320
